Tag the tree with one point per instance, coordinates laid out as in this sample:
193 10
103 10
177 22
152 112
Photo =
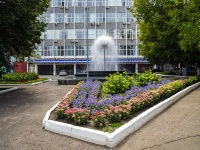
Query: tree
162 30
21 25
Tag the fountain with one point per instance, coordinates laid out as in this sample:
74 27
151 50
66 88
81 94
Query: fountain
103 62
104 58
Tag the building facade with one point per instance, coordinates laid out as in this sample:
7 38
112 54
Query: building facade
73 26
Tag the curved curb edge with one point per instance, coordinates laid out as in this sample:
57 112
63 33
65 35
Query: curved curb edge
114 138
8 90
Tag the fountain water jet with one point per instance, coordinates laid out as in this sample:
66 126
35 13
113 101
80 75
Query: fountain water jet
104 50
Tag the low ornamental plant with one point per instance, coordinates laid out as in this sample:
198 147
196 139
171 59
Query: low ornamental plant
79 116
118 83
98 118
66 102
20 77
116 113
87 103
144 78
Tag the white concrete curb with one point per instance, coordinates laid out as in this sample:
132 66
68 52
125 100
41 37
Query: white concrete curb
36 83
8 90
114 138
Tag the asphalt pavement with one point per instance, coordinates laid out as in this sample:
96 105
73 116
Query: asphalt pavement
22 112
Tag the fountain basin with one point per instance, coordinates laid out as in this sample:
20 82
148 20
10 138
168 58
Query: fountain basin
93 75
97 73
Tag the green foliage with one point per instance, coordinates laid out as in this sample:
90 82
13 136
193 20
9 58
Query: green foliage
19 77
21 25
111 127
168 31
60 112
118 83
145 77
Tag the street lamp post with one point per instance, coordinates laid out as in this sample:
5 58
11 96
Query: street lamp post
87 22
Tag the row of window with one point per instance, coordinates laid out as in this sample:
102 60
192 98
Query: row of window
123 50
69 3
92 34
93 17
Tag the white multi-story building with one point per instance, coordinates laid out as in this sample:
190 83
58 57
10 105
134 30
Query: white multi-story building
65 37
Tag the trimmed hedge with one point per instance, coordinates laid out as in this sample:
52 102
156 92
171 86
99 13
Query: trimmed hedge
19 77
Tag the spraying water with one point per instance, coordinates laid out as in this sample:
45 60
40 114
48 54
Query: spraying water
104 55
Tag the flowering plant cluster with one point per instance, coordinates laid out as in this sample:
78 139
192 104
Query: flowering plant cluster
77 115
66 101
88 95
117 113
89 104
98 118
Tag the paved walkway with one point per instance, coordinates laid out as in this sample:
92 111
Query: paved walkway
22 112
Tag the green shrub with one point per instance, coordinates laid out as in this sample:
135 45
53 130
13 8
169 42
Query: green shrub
20 77
142 79
118 83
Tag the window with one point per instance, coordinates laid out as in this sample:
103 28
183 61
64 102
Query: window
122 50
59 51
130 33
111 2
121 34
91 34
56 34
71 34
69 50
110 17
58 3
49 34
91 2
123 2
119 3
50 17
59 17
129 17
68 3
121 17
79 17
48 51
70 17
79 50
89 50
100 32
100 2
130 50
63 34
129 2
92 17
80 34
111 33
80 3
100 17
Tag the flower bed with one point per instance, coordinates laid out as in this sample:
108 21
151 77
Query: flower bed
86 105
